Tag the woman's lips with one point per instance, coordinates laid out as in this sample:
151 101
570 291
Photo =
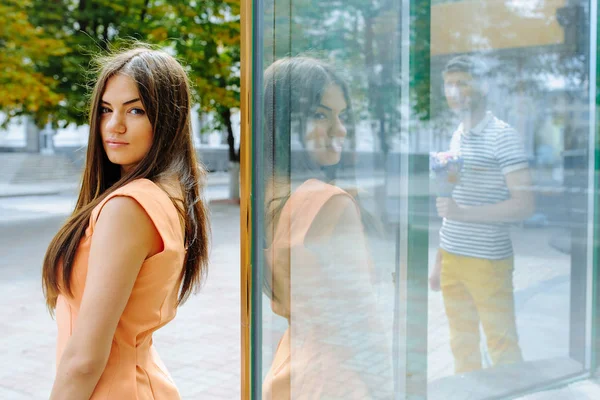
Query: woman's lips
330 144
337 144
115 144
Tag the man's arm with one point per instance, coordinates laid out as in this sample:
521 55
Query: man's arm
518 207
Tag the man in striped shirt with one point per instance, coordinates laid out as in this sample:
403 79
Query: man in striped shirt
474 265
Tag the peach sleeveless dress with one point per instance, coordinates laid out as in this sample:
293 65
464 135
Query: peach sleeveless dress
328 306
134 370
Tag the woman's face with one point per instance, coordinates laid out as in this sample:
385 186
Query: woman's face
325 131
125 128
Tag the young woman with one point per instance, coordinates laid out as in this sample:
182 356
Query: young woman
136 245
318 271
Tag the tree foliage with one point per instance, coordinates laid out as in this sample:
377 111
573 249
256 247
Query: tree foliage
47 48
206 35
23 49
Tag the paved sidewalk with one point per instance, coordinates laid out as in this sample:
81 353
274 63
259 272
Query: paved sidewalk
201 347
584 390
41 189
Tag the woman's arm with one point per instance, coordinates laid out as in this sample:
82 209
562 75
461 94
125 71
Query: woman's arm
124 236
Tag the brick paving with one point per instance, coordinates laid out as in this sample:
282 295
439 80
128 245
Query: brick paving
201 347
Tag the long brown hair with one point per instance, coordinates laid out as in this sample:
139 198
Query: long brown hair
165 93
293 89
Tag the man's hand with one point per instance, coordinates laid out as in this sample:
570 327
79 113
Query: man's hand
447 208
435 279
435 276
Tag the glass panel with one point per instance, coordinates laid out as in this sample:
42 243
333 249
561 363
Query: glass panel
331 118
510 122
376 119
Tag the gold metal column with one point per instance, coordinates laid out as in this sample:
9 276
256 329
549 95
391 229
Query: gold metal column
246 195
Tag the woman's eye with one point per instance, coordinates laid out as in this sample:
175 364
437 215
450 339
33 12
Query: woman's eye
319 116
104 110
138 111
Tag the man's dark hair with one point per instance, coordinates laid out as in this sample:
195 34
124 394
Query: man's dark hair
469 64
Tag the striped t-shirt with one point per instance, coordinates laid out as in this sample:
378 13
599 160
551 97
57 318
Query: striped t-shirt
490 150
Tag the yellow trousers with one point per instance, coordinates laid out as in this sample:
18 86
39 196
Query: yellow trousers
478 291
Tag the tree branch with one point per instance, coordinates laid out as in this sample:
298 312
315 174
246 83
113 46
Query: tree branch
81 20
234 156
144 10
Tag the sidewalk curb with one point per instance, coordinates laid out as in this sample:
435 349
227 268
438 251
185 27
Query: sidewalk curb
53 189
27 194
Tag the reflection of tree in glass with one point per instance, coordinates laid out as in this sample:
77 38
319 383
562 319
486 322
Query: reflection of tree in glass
364 37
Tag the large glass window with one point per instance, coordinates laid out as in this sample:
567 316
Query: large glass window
423 195
510 102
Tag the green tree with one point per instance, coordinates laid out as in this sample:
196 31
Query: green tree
23 48
87 27
208 40
204 35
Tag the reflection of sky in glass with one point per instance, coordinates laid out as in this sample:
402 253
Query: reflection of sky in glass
559 82
526 9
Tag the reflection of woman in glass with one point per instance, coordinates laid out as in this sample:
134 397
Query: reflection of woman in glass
318 271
